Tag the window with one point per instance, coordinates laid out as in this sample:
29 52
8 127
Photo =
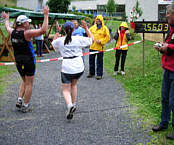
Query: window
162 12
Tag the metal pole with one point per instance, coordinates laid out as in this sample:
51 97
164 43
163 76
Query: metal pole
143 53
163 37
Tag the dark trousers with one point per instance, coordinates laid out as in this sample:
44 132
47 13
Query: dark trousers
123 54
99 63
167 93
39 47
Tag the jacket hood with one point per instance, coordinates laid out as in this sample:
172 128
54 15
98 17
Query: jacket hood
124 24
100 17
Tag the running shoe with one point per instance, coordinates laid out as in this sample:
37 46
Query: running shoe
123 73
115 73
74 108
69 113
19 103
25 109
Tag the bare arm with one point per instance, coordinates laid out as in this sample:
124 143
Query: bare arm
58 27
37 32
84 26
7 26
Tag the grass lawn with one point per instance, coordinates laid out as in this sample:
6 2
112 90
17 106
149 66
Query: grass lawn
5 71
143 92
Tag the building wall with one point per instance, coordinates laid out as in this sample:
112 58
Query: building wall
35 5
28 4
84 5
149 8
92 5
104 2
44 2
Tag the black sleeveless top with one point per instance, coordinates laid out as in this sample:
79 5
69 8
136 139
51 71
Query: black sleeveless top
22 49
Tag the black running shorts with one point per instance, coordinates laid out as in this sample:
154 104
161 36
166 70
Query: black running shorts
67 78
26 67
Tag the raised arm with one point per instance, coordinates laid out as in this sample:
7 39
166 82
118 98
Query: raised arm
84 26
37 32
7 26
116 35
128 36
58 27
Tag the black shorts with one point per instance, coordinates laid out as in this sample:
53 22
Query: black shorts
67 78
26 67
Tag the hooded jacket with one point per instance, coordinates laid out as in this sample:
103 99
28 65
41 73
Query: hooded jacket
122 37
101 34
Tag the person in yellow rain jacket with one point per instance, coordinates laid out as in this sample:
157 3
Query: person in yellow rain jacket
122 37
101 37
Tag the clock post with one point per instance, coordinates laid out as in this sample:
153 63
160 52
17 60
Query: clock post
150 27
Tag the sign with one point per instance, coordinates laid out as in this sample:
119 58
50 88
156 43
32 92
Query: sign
151 27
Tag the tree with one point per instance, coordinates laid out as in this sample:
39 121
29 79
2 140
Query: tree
58 6
111 6
138 9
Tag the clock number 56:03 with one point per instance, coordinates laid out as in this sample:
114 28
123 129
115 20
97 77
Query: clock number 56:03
155 27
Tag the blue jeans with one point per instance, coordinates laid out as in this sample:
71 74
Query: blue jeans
39 47
167 92
99 63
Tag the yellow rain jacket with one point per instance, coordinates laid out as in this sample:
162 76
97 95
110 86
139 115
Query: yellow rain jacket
126 37
101 34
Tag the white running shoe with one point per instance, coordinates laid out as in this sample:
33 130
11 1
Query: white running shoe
123 73
25 109
69 113
115 73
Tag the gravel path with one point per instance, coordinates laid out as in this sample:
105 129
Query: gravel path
102 116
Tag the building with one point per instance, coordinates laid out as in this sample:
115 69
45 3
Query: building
92 6
35 5
153 10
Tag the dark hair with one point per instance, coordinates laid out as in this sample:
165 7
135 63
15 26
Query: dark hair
68 38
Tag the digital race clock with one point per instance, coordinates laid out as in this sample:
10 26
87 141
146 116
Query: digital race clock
151 27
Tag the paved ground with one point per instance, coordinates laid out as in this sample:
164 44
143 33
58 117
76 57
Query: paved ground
102 116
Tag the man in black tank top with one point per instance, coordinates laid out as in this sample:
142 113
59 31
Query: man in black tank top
21 38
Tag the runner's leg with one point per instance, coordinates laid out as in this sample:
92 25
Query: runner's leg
74 91
28 88
22 88
66 90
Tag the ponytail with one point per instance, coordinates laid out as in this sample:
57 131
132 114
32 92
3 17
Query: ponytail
68 38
